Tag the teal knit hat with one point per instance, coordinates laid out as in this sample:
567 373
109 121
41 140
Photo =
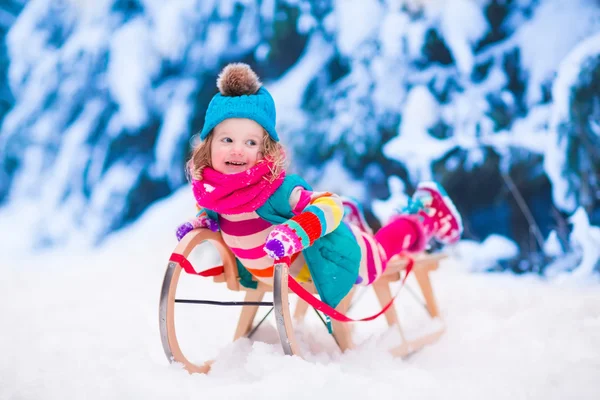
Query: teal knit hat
241 95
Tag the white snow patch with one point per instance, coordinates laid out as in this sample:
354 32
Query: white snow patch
483 256
357 20
414 145
131 67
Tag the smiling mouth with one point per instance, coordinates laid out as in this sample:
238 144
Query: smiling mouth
235 163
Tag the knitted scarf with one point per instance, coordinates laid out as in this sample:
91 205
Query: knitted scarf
236 193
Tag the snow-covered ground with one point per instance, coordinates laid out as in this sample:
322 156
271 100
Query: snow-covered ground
81 324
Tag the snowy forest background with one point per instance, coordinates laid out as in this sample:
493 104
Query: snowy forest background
499 100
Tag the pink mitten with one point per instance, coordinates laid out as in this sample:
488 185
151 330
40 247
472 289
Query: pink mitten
282 242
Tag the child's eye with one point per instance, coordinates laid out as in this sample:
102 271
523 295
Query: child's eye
226 140
251 142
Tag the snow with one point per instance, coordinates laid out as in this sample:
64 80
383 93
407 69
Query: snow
41 82
541 52
462 23
73 147
171 26
174 128
567 76
288 90
108 200
131 67
529 132
267 9
332 177
480 257
555 156
586 239
414 143
82 323
6 19
392 33
90 10
385 209
356 21
306 23
552 246
24 57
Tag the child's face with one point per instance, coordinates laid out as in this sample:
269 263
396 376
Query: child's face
236 145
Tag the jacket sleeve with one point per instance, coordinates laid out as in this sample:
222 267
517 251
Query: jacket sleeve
315 215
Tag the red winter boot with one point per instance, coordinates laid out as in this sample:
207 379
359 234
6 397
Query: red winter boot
439 215
430 213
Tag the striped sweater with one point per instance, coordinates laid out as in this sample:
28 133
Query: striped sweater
316 214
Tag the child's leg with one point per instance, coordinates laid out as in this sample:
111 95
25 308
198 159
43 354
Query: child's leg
373 258
430 214
403 233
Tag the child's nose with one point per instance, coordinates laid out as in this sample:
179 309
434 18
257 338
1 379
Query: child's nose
236 149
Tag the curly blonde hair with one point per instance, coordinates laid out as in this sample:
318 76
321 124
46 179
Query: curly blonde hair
270 149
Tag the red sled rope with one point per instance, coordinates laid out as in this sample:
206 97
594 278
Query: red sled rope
327 309
187 266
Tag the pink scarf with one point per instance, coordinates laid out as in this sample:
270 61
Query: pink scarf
237 193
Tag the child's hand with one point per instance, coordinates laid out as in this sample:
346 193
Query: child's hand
210 224
202 222
183 230
282 242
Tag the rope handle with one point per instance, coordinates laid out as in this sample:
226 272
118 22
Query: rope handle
187 266
327 309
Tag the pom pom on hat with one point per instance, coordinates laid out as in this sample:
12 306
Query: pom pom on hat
238 79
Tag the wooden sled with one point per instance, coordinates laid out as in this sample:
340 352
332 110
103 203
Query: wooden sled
423 264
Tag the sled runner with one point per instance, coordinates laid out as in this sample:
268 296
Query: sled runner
228 273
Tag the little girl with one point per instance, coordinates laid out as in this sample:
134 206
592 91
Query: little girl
241 188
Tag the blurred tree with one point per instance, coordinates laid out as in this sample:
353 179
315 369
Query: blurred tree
9 9
581 131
